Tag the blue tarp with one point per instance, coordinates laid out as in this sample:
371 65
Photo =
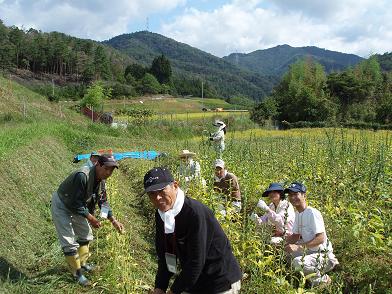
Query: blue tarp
150 155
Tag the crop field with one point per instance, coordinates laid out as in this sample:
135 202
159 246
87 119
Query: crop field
204 116
348 174
168 105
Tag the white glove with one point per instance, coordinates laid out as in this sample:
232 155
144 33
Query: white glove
261 204
255 218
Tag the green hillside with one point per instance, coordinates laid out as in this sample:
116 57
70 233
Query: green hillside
276 61
36 151
385 61
226 78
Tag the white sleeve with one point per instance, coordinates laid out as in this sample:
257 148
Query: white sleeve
277 218
197 169
295 226
217 135
317 222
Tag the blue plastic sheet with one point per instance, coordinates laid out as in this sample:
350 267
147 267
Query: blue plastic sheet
149 155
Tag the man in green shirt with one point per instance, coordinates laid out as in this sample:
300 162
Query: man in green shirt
72 212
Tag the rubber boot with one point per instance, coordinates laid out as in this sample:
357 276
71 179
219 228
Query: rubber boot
74 263
84 254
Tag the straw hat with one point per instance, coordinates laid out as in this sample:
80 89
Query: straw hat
186 153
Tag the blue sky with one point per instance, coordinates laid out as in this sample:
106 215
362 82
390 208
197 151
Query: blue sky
361 27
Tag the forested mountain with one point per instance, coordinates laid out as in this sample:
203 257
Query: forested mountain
276 61
148 63
59 54
190 64
385 61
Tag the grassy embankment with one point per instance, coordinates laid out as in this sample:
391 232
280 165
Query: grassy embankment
36 150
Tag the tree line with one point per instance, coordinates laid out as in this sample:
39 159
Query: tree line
359 94
81 62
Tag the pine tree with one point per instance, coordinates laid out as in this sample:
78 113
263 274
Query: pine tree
161 69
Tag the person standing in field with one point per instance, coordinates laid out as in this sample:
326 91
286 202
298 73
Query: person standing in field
218 137
190 243
72 214
226 183
279 213
308 247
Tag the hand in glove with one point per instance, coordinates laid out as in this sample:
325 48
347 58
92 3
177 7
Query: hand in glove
261 204
253 217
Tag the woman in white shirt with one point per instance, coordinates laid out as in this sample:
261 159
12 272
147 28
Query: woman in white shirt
279 213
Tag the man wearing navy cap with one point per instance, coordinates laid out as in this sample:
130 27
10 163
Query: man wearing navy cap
308 246
72 217
188 235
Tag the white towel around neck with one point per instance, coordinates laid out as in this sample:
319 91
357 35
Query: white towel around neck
168 217
218 179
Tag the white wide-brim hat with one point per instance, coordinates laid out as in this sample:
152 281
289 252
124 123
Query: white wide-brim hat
187 153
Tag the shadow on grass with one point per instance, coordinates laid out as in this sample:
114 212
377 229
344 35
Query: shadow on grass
9 272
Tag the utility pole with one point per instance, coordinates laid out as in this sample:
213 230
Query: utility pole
147 25
202 89
202 94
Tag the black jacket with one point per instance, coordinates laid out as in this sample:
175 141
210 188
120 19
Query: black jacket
202 248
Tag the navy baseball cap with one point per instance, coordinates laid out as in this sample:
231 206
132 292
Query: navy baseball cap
295 187
273 187
157 179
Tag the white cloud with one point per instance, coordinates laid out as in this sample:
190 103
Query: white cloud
352 26
98 19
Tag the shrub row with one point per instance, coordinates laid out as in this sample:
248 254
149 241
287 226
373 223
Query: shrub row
285 125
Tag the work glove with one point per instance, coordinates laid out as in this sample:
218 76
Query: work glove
261 204
253 216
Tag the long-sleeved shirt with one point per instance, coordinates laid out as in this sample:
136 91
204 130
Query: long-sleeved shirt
229 186
190 170
219 138
276 217
98 199
202 249
79 189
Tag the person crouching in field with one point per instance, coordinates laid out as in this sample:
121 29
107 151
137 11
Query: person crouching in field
227 184
72 217
190 243
280 213
308 247
189 170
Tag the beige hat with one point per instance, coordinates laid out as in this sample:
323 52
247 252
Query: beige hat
187 153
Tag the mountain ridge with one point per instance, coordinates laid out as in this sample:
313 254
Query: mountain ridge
188 61
252 74
276 60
